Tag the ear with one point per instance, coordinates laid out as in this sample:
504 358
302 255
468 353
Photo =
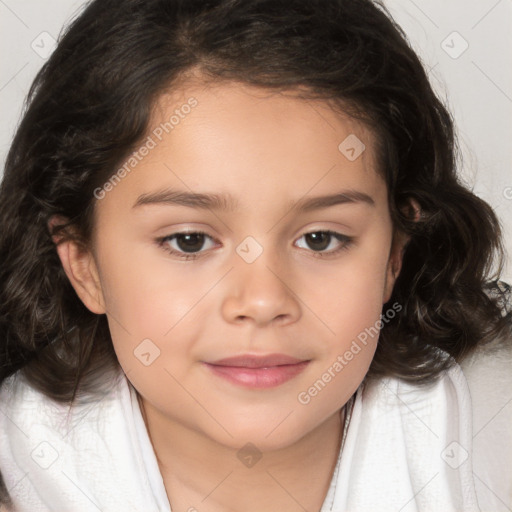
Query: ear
80 267
400 240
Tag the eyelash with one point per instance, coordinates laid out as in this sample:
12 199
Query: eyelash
346 241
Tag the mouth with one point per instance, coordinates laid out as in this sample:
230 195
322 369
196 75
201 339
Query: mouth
258 372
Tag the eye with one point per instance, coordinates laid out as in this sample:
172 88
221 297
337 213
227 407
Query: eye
320 241
191 245
186 245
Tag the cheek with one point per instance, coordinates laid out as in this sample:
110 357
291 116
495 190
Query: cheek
349 303
142 290
350 311
349 293
145 301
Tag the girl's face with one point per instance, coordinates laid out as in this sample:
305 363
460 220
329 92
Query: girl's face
263 178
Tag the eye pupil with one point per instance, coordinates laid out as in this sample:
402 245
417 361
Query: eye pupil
193 241
320 237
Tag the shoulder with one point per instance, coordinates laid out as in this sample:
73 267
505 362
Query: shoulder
25 415
449 391
488 371
405 436
22 405
41 437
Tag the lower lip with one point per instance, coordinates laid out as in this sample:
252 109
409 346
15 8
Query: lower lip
260 378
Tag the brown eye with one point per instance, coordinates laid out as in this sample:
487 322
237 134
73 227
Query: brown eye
186 245
190 242
320 241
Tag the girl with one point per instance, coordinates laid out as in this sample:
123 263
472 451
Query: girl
239 269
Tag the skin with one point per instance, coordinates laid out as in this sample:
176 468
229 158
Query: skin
268 150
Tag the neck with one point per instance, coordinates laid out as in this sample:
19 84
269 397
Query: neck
200 474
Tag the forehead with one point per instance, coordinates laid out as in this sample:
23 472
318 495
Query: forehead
231 138
235 110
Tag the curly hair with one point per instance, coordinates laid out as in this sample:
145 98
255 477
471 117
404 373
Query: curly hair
91 103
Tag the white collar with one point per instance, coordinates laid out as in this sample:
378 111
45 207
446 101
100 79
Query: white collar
406 449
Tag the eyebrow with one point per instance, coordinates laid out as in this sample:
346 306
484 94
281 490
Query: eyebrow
227 202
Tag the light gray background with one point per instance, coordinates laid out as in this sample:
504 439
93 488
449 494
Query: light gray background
476 81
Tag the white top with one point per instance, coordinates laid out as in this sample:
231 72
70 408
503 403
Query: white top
407 449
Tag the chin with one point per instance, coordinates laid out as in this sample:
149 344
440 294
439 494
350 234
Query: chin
266 436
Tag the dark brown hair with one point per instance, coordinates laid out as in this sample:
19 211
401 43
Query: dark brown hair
90 105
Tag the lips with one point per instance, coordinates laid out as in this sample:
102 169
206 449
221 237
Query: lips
248 361
255 371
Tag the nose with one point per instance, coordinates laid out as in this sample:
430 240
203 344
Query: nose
260 292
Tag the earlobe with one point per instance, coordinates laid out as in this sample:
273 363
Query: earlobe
79 265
